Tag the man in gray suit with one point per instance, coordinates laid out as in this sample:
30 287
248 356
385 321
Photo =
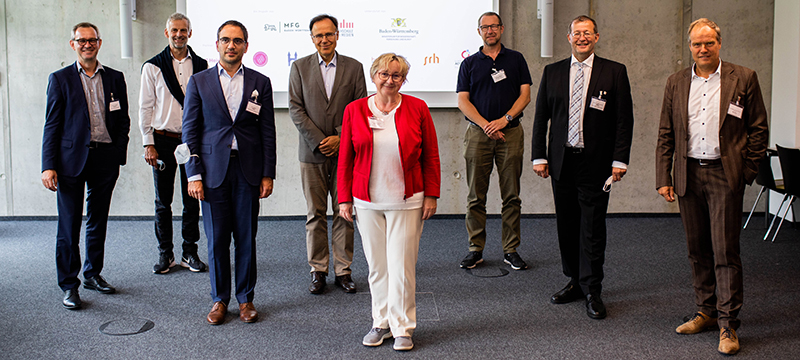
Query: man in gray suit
320 86
714 128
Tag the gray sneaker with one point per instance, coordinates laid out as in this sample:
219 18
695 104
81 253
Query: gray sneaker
375 336
403 343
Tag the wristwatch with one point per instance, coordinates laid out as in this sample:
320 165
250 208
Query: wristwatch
509 118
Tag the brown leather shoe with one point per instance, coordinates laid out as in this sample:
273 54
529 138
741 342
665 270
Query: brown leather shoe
217 314
248 313
317 282
728 341
346 283
697 323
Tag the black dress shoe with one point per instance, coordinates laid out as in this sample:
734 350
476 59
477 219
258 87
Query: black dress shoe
72 300
566 295
317 282
98 283
346 283
594 307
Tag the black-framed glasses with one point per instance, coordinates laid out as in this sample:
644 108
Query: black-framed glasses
385 76
82 42
328 36
227 40
486 28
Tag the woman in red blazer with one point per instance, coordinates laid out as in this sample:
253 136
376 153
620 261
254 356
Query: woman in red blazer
389 171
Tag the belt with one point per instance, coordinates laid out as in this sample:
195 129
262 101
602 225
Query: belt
234 153
167 133
704 162
98 145
573 150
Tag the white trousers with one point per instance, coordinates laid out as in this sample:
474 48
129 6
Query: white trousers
391 243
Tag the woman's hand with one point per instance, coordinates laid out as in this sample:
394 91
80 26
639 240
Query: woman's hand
346 211
428 207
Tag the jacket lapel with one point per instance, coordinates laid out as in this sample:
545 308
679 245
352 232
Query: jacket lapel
77 88
683 87
563 74
247 89
212 82
727 88
317 75
597 69
337 77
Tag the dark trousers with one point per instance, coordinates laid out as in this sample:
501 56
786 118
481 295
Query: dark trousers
98 177
581 206
712 217
232 209
165 187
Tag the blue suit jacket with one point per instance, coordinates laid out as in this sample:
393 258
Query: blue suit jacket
208 129
65 144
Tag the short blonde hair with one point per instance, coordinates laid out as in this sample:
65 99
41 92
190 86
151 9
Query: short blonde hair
382 63
704 22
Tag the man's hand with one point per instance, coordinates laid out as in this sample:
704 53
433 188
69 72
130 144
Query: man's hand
151 155
428 207
195 189
541 170
50 180
668 192
266 188
497 135
495 126
329 146
346 211
618 173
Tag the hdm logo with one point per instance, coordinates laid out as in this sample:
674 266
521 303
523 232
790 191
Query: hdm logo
290 59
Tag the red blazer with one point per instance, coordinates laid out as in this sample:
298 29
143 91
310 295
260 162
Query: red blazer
419 150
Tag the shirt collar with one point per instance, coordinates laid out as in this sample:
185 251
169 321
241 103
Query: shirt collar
483 56
717 72
98 69
322 62
188 56
588 62
221 71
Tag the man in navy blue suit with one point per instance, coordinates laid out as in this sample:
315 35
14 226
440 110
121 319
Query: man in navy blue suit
85 142
229 127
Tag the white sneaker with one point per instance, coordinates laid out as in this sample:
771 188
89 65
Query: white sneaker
376 336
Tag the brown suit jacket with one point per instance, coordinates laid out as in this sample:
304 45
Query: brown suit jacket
743 142
316 116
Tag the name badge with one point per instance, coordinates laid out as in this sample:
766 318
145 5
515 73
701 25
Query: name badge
735 110
114 105
498 76
375 123
253 108
597 103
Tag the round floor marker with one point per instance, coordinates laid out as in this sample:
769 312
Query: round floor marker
124 327
487 272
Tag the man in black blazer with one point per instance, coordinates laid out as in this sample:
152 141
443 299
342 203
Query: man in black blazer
587 100
85 142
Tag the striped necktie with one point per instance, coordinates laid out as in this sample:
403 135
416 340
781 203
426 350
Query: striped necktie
575 106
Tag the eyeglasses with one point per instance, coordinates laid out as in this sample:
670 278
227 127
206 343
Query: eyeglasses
328 36
587 34
82 42
385 76
486 28
236 41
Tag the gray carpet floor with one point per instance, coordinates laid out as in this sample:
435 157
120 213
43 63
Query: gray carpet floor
461 314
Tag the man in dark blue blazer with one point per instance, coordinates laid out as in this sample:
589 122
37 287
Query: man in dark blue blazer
587 102
229 127
85 142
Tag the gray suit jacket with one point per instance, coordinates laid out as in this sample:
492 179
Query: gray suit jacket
743 142
316 116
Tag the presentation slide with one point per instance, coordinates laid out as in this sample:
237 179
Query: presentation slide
435 36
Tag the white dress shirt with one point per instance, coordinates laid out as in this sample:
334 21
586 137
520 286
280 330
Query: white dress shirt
704 105
328 73
587 76
232 88
158 109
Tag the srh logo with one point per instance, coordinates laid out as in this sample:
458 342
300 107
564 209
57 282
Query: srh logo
345 25
294 25
290 58
431 60
398 22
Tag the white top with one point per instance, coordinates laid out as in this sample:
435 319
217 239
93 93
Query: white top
158 109
704 104
386 178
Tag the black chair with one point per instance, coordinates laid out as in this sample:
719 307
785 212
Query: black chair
767 180
790 166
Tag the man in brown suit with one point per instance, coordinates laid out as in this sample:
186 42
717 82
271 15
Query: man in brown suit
714 125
